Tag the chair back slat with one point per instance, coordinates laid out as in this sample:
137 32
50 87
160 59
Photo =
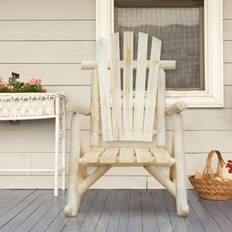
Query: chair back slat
104 89
150 105
128 86
161 136
116 87
140 83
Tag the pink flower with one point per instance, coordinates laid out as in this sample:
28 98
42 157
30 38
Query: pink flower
34 81
2 82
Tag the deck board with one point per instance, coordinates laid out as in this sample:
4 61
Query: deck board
124 211
110 211
149 219
207 221
178 223
161 211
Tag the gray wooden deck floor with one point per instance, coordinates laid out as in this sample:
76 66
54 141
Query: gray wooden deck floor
110 210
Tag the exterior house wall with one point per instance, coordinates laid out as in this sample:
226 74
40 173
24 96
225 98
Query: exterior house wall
48 39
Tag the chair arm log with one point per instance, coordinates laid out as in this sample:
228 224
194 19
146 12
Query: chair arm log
177 107
165 64
74 108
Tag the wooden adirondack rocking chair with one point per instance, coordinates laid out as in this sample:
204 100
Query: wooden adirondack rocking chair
130 108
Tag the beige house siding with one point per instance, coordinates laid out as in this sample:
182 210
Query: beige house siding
48 39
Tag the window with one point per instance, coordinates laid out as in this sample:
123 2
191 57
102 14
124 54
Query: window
191 32
179 25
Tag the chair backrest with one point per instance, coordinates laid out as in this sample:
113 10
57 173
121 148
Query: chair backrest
131 89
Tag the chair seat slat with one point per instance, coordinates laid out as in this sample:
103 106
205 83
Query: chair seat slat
126 155
109 155
143 155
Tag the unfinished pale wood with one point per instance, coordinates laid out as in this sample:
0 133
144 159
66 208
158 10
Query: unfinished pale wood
164 64
104 89
73 202
181 192
143 155
161 156
93 155
140 87
128 85
131 112
76 109
95 114
178 107
161 136
116 88
109 155
126 155
149 114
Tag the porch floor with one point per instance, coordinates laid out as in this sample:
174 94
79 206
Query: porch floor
110 210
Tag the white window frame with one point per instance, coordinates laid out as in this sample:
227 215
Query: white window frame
213 95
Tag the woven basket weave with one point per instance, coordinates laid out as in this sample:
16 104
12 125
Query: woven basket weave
210 188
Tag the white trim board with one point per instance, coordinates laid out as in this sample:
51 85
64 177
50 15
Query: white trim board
213 19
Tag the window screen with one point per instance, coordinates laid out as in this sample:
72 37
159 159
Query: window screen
179 25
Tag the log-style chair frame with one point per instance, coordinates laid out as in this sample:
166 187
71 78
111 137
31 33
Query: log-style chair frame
127 114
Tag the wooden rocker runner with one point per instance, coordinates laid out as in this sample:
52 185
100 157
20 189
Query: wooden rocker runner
127 110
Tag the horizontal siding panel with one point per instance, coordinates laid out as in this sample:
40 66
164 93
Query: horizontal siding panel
51 74
207 119
204 141
227 5
227 51
74 94
47 30
26 141
15 161
46 52
228 97
47 9
227 24
227 73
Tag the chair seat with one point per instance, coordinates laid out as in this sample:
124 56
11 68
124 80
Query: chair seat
127 156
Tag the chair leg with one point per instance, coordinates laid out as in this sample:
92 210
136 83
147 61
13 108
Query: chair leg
181 192
74 201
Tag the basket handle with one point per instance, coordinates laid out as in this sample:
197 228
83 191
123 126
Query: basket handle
208 171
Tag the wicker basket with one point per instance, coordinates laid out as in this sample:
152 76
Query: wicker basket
210 188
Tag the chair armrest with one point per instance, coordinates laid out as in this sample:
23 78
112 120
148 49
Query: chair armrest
177 107
74 108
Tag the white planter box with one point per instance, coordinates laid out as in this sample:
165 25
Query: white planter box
20 106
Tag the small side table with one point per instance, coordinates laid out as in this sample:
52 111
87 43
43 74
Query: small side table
28 106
